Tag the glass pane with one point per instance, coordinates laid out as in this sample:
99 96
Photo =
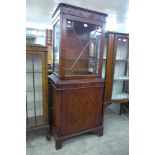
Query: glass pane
39 107
37 63
118 91
29 63
122 49
29 81
105 48
56 46
38 97
82 48
30 108
38 81
119 71
104 69
104 58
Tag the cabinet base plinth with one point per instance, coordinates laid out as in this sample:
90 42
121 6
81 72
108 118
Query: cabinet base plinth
60 139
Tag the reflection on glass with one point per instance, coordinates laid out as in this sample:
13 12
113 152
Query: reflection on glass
56 46
82 48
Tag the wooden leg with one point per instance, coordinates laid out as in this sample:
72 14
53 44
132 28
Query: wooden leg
58 144
100 132
94 132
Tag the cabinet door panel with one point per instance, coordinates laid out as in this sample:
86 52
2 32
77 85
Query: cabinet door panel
120 73
35 100
82 109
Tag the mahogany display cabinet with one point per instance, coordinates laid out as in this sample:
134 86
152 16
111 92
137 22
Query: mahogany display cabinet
116 68
77 86
36 87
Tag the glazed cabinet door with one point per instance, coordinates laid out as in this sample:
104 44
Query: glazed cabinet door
82 48
120 69
35 112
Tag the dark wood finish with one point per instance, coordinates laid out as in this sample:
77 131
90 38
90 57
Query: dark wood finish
72 99
83 63
34 49
77 96
110 66
79 12
65 47
50 107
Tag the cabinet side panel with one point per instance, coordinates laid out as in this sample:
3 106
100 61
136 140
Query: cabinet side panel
56 109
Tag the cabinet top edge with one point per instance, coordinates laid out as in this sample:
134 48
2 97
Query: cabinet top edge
77 8
58 81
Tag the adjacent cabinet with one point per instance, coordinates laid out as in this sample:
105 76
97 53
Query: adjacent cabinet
36 86
77 84
116 68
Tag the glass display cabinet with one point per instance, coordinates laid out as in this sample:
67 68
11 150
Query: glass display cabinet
36 86
117 68
78 42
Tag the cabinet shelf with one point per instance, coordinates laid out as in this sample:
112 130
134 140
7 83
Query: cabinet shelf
32 91
87 58
121 95
33 72
123 78
37 111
